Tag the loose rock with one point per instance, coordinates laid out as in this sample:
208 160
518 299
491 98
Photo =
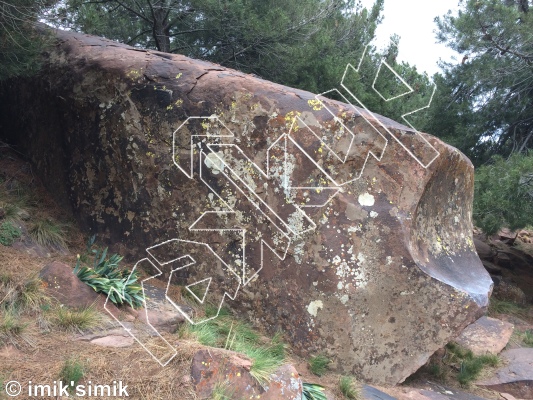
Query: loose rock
486 335
516 377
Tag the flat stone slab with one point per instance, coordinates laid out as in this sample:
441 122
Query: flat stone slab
372 393
431 391
486 335
516 377
114 341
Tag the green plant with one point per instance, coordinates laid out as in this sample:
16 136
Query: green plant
506 307
437 371
71 373
76 319
265 359
8 233
347 387
312 391
226 332
318 364
470 366
49 234
10 212
527 338
31 293
25 294
105 276
508 203
222 391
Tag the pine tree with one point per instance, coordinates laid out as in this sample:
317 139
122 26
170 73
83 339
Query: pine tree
491 91
19 44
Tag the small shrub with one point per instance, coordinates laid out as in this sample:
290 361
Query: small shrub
8 233
318 365
437 371
312 391
76 319
72 372
49 234
347 387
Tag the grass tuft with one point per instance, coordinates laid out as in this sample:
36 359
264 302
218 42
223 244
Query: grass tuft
506 307
49 234
527 338
23 295
222 391
318 365
228 333
72 372
470 366
31 293
265 359
348 388
11 327
70 319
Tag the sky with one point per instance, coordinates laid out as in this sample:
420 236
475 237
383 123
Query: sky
413 21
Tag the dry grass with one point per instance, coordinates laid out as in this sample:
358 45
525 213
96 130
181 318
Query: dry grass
34 349
76 320
145 378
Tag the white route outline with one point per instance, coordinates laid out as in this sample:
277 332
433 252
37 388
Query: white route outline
284 229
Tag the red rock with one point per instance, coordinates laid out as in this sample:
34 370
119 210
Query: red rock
215 366
486 335
62 284
162 320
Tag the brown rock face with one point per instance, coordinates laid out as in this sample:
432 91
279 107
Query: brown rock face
350 232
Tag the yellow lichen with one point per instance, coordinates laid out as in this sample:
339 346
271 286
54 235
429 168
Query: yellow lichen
315 104
290 117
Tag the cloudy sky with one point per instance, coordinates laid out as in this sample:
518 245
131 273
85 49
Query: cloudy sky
413 21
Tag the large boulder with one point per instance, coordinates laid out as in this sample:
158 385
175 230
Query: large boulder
348 231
